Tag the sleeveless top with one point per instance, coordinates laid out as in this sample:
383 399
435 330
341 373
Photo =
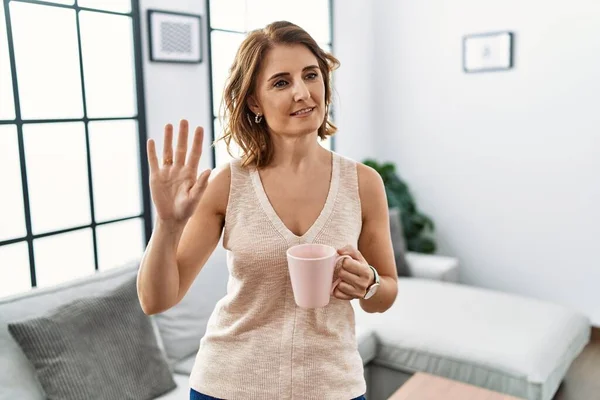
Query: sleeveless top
258 343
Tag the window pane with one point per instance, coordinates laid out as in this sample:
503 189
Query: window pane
14 269
221 155
115 169
326 143
119 243
228 15
47 60
7 103
67 2
57 175
61 258
122 6
224 48
109 86
325 46
12 217
311 15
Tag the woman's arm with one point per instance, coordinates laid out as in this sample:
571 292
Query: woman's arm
374 248
375 242
189 219
176 254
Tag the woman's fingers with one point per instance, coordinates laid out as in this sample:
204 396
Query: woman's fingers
200 184
182 140
168 145
352 252
349 290
152 158
196 151
181 149
343 292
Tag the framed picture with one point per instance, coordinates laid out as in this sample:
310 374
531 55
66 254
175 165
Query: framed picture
488 52
174 37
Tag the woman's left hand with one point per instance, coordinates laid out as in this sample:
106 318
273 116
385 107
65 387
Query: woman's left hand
355 274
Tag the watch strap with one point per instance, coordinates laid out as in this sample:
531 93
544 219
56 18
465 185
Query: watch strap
375 273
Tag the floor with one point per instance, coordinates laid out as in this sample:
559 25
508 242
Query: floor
583 378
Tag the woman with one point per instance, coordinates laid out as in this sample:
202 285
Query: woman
285 189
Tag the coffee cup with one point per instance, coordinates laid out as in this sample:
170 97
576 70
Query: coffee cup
311 267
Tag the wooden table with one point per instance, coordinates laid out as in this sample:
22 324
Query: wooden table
422 386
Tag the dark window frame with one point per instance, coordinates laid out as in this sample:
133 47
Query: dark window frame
140 118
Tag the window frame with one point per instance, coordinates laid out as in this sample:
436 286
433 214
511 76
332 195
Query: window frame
140 119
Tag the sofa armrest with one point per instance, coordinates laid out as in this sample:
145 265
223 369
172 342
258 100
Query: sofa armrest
440 268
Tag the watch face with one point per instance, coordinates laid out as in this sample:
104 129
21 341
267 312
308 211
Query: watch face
372 290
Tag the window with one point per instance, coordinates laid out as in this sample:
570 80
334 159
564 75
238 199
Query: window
231 20
72 137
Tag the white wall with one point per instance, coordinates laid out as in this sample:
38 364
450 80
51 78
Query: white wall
353 93
177 91
506 163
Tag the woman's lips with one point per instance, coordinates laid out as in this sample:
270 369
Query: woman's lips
304 112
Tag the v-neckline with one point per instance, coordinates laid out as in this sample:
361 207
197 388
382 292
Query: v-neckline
317 225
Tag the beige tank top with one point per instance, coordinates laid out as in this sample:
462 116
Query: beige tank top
258 343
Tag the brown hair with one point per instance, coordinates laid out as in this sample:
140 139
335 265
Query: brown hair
254 139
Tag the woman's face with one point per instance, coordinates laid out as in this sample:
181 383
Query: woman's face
290 91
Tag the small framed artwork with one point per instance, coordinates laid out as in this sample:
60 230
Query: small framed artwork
174 37
488 52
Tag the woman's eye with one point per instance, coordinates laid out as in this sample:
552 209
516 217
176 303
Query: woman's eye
280 84
312 75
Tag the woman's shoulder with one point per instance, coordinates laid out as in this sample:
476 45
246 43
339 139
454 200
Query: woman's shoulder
223 174
225 178
367 175
368 179
217 190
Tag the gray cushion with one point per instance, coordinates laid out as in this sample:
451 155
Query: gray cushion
398 242
182 326
100 347
17 375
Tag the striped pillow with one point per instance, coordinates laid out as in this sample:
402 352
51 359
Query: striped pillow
96 348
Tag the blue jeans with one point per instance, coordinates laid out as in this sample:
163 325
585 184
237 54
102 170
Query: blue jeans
199 396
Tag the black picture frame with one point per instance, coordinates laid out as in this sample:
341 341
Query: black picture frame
185 31
506 61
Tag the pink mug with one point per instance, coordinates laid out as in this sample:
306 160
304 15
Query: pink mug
311 268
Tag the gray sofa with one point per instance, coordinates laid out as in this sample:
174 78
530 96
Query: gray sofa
436 325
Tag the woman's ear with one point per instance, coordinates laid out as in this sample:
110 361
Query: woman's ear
253 105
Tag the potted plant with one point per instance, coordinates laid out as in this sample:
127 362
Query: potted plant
418 227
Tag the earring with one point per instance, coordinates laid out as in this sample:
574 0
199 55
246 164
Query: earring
258 118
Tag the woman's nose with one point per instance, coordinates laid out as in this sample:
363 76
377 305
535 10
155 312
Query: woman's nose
301 92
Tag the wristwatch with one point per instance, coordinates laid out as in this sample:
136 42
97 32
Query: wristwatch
373 288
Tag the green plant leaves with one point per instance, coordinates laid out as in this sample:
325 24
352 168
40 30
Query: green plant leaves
417 226
421 245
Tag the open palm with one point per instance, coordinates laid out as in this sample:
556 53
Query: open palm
175 186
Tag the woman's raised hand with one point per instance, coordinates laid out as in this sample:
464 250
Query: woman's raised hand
175 186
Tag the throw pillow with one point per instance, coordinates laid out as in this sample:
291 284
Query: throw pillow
398 242
96 348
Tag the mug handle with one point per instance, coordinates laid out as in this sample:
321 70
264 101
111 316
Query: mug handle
338 280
